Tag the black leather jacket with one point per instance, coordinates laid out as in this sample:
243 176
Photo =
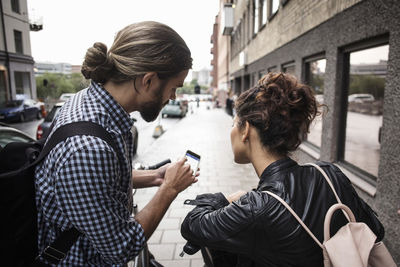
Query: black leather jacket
260 231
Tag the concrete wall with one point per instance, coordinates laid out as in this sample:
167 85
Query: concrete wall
291 21
359 25
14 21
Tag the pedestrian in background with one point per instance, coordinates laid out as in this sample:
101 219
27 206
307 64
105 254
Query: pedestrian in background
253 228
84 183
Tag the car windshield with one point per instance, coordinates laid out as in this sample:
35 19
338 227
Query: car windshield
11 104
52 114
174 102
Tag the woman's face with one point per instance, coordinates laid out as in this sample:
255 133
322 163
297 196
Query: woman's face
239 147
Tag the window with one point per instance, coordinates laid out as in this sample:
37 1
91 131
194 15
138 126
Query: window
3 87
274 6
314 77
22 83
18 42
264 12
261 74
256 18
366 85
15 6
273 69
289 68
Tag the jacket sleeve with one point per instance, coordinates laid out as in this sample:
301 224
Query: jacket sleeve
217 224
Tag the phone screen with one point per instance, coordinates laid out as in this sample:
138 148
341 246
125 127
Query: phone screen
193 160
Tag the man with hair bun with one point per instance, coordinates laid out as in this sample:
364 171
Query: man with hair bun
84 183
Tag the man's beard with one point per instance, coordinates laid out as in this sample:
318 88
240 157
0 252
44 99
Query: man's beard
151 109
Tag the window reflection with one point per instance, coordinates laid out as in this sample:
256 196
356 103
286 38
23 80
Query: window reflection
315 75
365 104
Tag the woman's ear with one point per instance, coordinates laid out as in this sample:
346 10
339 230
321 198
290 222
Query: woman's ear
246 132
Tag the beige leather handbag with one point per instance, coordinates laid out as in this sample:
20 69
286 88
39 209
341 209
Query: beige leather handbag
353 245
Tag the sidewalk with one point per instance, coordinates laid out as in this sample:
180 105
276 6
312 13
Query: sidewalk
207 133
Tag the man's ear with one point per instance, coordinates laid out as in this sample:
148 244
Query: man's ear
246 132
148 79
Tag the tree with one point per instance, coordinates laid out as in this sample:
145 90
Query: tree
367 84
52 85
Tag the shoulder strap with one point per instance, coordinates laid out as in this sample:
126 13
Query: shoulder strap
295 215
58 249
327 179
73 129
330 185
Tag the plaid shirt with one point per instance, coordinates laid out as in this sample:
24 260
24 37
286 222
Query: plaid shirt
82 183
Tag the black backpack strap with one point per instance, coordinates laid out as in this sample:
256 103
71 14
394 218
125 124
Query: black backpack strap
73 129
56 251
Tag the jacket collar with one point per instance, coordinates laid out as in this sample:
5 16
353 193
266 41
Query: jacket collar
273 173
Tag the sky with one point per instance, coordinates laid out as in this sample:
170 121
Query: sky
70 27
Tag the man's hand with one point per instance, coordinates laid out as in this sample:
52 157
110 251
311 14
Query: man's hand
178 176
159 175
235 196
174 179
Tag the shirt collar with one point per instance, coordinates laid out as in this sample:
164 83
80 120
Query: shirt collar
117 114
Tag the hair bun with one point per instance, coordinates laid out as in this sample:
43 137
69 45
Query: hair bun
97 65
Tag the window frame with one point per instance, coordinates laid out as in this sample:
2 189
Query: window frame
16 32
306 80
15 6
269 8
344 53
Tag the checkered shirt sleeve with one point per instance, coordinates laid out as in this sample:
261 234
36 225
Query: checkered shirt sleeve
88 197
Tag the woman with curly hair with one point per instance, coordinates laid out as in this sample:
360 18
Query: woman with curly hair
253 228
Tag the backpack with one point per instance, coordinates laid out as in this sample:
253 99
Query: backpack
18 224
353 244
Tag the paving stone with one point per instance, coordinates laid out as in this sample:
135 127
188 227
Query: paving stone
162 251
196 263
168 223
176 263
155 237
172 236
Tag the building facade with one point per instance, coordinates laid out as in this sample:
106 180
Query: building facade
49 67
345 50
16 62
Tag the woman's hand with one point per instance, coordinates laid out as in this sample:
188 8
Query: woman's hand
235 196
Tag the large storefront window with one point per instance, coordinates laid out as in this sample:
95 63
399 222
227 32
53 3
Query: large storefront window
365 104
314 76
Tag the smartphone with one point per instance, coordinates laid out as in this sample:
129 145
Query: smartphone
193 159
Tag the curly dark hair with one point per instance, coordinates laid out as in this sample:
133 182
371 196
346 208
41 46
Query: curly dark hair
281 109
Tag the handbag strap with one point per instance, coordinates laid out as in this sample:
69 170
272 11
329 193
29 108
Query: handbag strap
330 185
327 179
295 215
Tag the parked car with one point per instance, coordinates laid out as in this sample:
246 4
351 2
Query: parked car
9 134
64 97
20 110
45 125
176 108
360 98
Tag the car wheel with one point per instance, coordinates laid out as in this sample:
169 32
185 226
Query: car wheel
135 139
21 117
